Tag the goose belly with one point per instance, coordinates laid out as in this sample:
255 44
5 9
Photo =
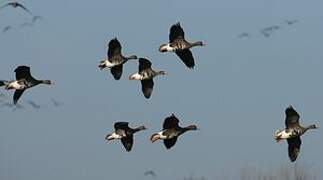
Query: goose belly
167 48
114 136
283 134
15 85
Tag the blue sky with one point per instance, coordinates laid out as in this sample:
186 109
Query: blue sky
236 94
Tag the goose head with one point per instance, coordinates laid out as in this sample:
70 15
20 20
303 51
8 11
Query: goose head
314 126
192 127
166 48
105 63
135 76
49 82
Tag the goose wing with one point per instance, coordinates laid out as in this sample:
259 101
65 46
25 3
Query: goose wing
292 117
23 72
294 146
116 71
170 122
121 125
114 48
187 57
127 142
144 64
147 87
176 32
17 95
170 142
23 7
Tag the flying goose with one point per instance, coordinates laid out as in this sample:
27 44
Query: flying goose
146 75
291 22
150 173
180 46
24 80
243 35
171 131
292 132
15 5
125 133
6 29
115 59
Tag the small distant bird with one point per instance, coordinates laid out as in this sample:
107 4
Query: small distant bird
6 29
150 173
36 18
244 35
125 133
269 30
180 46
34 105
291 22
292 132
115 59
146 75
265 33
24 80
171 131
56 103
15 5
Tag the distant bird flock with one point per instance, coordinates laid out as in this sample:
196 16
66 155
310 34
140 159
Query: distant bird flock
269 30
17 5
115 61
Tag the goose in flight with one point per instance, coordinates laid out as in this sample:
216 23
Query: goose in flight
150 173
146 75
291 22
171 131
6 29
24 80
16 5
180 46
125 133
292 132
115 59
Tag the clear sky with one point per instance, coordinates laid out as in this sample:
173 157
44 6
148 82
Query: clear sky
237 93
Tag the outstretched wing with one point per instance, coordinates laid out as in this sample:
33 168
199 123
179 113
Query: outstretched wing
170 122
294 146
147 87
292 117
23 72
144 64
116 71
127 142
24 8
176 32
170 142
17 95
114 48
187 57
121 125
